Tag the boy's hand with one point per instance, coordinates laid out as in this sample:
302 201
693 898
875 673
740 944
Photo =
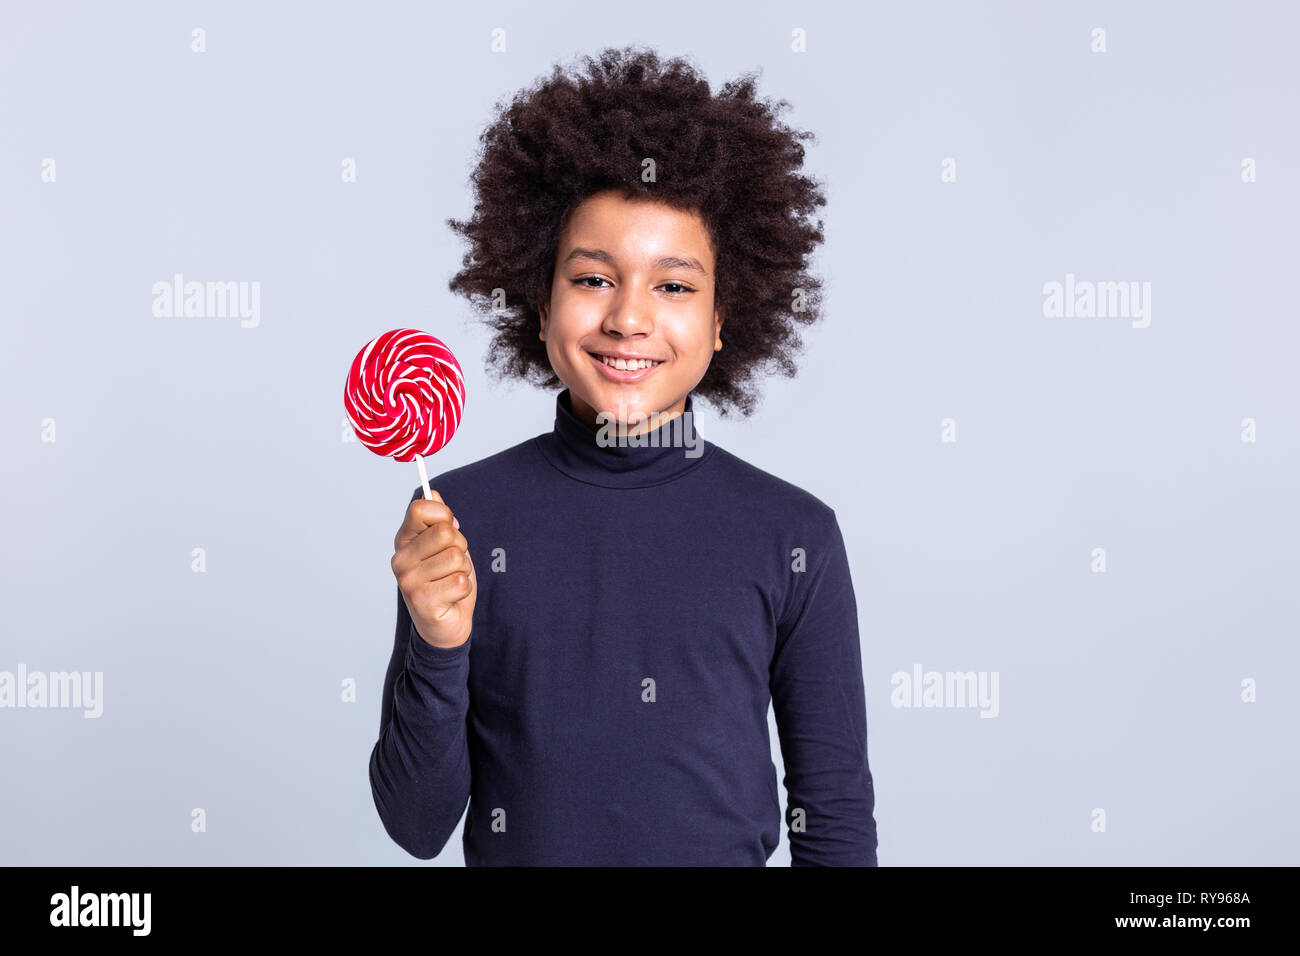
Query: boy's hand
435 573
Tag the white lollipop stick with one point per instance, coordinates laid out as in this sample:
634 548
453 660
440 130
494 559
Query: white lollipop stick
424 476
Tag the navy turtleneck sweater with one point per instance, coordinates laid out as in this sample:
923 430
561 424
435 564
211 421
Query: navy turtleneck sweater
637 609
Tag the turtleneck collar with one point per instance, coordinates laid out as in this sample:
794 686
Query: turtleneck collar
660 455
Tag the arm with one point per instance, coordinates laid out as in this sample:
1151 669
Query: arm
820 708
419 768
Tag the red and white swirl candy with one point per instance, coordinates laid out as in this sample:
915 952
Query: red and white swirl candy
404 396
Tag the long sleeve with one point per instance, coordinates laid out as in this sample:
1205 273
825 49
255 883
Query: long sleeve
820 706
419 768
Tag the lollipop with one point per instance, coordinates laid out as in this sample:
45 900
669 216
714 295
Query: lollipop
404 396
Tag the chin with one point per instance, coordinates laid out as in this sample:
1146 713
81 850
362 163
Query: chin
624 401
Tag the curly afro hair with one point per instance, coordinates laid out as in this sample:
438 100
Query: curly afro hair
726 157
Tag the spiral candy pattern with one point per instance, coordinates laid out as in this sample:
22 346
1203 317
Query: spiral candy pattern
405 394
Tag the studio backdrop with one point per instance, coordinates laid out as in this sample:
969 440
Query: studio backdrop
1052 400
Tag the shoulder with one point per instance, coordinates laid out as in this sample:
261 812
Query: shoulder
795 530
776 495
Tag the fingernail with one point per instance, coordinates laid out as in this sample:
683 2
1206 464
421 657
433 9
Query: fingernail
455 521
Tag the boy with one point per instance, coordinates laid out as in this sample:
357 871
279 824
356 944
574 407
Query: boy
586 648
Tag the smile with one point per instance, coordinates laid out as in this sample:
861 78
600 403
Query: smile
625 370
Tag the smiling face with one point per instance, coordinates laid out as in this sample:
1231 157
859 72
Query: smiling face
631 326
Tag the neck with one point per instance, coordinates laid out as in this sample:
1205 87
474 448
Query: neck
588 452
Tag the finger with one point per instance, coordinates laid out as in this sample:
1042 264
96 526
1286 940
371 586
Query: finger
433 539
437 537
435 599
420 514
436 567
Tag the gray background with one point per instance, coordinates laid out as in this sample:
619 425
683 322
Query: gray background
1119 690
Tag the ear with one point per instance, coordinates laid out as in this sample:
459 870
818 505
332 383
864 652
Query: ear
543 308
717 329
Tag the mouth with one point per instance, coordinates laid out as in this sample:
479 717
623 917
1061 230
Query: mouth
621 369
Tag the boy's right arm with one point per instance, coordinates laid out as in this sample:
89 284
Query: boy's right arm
419 768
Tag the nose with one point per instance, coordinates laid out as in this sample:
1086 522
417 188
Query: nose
630 313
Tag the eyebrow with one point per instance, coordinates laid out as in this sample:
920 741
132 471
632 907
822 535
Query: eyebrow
663 262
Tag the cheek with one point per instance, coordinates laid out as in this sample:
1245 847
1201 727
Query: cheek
697 343
571 315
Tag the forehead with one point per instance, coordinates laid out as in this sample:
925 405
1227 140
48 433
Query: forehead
636 227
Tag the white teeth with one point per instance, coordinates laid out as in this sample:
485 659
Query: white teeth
628 364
